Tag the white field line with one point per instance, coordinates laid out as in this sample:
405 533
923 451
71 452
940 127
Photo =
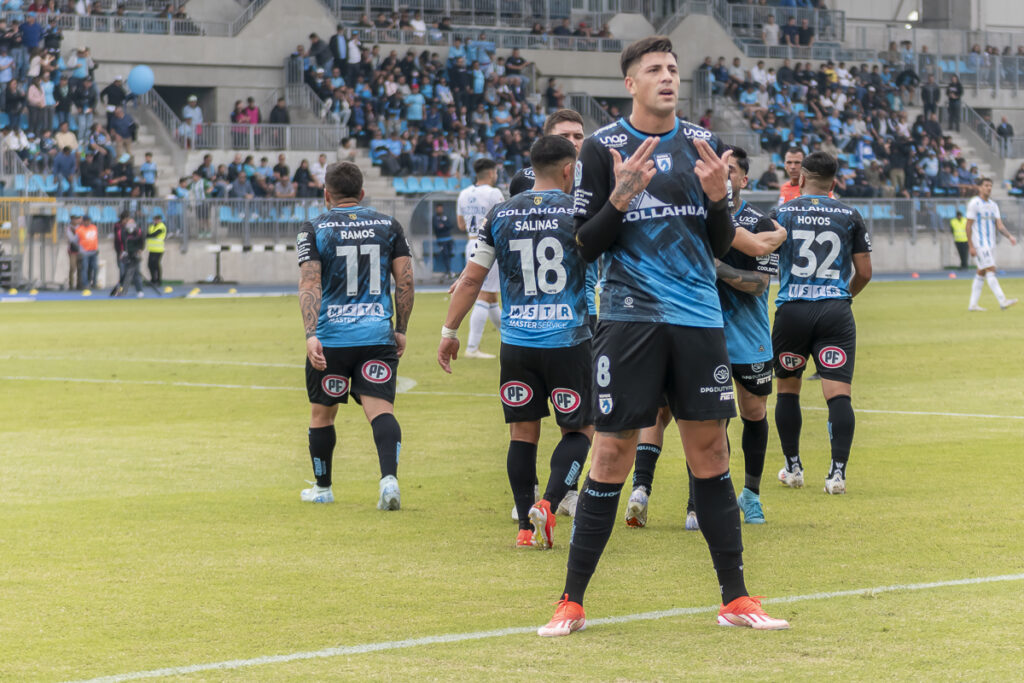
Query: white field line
521 630
169 361
407 386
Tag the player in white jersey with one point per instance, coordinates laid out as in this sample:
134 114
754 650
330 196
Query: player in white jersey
983 220
473 205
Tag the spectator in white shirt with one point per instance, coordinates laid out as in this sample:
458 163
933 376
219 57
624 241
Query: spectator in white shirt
192 115
759 75
419 27
770 31
319 171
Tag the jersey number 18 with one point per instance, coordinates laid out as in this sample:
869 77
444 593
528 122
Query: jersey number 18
536 274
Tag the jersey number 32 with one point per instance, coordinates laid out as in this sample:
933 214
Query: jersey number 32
823 271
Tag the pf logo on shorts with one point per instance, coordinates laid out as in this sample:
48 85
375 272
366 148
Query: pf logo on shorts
376 371
515 394
565 400
792 361
832 357
334 385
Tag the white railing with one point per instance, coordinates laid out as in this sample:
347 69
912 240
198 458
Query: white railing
264 137
589 108
506 39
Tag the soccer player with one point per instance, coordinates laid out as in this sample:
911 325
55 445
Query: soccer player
743 291
347 257
545 339
983 220
660 217
473 204
791 190
824 264
566 123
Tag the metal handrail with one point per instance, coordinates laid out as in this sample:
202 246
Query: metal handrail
506 39
589 108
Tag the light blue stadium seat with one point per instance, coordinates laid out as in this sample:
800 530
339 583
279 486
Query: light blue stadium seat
413 183
20 182
227 216
108 214
35 183
313 210
398 183
466 182
63 215
452 184
49 184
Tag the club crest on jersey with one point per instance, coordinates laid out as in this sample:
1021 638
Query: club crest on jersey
515 394
605 403
832 357
663 162
814 201
376 371
722 374
352 216
792 361
334 385
578 173
565 400
537 200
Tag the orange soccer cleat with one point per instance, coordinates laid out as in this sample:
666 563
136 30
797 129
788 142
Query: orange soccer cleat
568 617
746 611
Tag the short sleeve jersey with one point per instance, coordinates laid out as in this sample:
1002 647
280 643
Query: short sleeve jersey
355 246
660 268
816 261
748 335
532 237
984 214
474 203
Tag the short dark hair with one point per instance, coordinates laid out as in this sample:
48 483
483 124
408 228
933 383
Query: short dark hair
820 166
550 151
557 117
644 46
984 180
742 160
794 150
483 164
343 179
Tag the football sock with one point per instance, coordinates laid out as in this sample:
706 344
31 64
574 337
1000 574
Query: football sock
388 437
595 518
993 284
477 322
976 287
689 496
841 422
321 452
494 313
646 460
755 444
719 519
566 464
788 422
521 464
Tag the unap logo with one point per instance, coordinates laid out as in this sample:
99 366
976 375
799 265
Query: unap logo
832 357
791 361
515 394
334 385
376 371
663 162
565 400
614 140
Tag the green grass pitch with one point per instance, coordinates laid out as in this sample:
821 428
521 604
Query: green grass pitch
150 520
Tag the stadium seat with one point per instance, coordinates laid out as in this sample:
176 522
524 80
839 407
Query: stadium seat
108 214
466 182
20 183
50 184
413 184
398 183
63 215
227 216
35 183
452 184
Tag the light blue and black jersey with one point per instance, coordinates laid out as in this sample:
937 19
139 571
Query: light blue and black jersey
355 247
542 272
660 268
816 260
748 334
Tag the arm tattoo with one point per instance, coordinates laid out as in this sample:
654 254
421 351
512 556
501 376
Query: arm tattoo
309 295
404 294
746 281
627 186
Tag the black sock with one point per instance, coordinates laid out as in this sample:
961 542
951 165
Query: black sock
646 460
841 423
595 519
388 437
566 464
719 519
689 497
521 464
321 452
788 422
755 444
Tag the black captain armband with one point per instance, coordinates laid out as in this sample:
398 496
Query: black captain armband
721 229
599 232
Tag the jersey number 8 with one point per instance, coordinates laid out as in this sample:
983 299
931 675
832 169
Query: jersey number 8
824 271
537 276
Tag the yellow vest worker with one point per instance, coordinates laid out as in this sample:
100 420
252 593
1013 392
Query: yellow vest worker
959 226
155 235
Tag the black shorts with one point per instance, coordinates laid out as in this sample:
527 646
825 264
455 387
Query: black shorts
357 370
639 366
823 328
754 377
529 377
592 324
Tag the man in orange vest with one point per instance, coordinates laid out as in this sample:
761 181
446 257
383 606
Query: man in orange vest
791 190
88 255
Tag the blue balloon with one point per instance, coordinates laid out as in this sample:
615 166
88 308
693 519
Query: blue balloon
140 79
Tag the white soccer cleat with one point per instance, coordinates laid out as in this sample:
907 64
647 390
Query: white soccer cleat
691 521
568 505
636 508
1006 304
836 486
794 480
317 494
976 308
390 497
478 354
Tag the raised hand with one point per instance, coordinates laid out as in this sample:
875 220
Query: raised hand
712 170
633 175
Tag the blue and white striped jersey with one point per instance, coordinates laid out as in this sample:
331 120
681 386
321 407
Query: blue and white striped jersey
984 214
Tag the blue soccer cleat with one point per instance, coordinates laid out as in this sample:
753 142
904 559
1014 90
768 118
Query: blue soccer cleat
750 504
